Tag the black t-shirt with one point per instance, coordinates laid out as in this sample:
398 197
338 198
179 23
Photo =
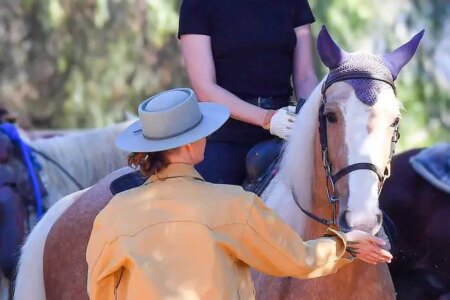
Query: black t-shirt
252 42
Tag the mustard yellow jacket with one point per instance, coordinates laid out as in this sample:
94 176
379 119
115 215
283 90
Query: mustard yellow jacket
178 237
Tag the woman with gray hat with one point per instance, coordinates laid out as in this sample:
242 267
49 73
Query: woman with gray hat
179 237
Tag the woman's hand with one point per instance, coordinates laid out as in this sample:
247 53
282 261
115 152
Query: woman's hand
282 122
367 247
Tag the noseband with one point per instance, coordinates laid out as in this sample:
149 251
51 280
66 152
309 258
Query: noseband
332 179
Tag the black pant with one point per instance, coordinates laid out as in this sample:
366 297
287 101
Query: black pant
224 162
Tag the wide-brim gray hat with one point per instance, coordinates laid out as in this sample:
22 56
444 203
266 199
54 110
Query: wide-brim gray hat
171 119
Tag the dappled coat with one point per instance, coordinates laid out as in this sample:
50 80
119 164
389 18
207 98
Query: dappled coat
178 237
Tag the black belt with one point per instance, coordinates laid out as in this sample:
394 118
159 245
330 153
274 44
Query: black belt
268 102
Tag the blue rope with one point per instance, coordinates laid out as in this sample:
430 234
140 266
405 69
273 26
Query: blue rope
11 131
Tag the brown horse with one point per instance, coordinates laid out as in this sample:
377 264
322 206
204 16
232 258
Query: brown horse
358 118
421 244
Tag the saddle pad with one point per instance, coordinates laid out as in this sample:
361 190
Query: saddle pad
126 182
433 164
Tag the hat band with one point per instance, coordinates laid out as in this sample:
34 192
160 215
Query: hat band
170 136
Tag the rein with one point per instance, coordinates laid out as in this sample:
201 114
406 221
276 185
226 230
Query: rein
332 179
59 166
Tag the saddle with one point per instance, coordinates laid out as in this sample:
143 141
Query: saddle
126 182
6 148
433 164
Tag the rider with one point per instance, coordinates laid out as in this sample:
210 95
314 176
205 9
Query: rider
243 54
178 236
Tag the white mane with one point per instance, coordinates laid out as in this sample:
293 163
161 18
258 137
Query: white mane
296 166
88 156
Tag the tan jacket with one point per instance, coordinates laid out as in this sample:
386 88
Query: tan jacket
178 237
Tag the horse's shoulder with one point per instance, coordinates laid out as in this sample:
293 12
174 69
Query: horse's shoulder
65 247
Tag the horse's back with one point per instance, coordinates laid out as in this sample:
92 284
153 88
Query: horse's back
65 267
87 167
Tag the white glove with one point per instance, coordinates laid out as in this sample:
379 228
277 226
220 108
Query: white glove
283 121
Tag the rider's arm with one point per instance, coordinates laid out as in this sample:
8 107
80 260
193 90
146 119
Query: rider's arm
272 247
304 76
198 58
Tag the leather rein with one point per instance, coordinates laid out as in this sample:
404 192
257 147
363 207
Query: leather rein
332 179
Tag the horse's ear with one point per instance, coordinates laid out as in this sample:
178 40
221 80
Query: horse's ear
330 53
398 58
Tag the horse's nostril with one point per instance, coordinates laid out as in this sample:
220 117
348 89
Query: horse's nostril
363 221
342 222
379 218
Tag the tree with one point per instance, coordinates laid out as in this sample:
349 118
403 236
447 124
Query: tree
81 63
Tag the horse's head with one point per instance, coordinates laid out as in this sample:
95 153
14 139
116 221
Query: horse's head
359 118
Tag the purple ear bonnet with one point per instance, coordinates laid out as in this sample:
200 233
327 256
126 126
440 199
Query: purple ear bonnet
340 63
367 90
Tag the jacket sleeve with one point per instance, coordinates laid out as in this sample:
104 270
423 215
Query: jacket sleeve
104 265
272 247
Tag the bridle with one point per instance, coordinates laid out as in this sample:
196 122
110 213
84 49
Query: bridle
332 179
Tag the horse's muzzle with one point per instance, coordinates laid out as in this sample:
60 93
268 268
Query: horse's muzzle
348 222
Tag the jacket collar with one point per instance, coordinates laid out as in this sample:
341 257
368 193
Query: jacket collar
176 170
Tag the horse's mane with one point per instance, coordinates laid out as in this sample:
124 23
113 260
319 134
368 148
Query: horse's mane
297 165
88 156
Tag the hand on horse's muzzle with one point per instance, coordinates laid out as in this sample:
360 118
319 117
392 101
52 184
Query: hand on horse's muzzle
367 247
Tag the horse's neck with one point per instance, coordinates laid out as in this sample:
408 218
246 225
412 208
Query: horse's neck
319 203
87 156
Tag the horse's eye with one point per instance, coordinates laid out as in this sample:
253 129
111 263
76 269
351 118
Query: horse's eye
395 123
331 117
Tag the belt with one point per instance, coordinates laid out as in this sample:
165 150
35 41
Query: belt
268 102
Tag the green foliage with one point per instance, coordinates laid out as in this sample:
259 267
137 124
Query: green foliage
81 63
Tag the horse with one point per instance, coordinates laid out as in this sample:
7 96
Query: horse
345 136
17 195
86 156
356 136
421 247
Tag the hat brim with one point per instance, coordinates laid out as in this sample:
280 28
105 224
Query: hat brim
132 139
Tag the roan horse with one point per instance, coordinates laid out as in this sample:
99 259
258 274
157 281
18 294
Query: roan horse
355 132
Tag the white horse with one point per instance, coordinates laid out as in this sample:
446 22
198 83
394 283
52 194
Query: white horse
358 141
88 156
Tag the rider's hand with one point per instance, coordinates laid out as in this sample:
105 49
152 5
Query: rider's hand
367 247
282 122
